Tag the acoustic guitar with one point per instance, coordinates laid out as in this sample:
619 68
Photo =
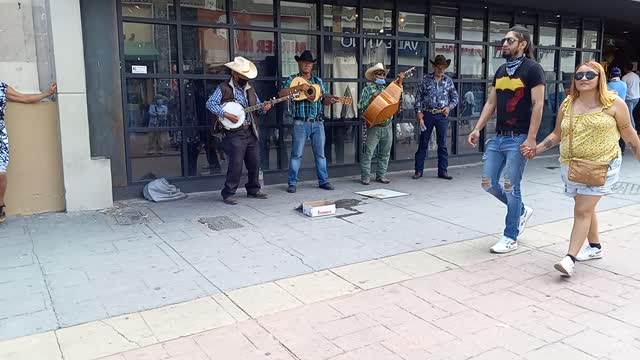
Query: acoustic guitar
314 93
386 104
240 111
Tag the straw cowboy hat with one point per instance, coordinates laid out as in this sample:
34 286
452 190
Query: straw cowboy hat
441 60
377 67
243 67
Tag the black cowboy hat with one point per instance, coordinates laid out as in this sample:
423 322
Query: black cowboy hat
305 56
441 60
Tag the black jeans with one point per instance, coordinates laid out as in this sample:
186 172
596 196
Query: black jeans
241 146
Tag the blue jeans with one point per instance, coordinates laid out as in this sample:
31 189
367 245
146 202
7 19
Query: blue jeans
631 104
440 122
302 130
503 155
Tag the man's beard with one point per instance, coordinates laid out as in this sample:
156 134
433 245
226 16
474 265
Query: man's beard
507 55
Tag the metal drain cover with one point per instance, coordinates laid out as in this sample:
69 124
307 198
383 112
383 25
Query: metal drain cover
130 217
626 188
220 223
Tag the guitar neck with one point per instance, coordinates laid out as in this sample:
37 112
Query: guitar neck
259 106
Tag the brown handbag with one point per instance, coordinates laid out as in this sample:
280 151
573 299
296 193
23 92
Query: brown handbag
592 173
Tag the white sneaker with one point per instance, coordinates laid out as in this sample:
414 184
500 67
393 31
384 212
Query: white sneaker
565 266
589 253
504 246
524 218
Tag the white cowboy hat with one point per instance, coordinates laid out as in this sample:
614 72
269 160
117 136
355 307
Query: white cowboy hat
377 67
243 67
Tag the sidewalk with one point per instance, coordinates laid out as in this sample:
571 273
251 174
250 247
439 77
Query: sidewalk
65 270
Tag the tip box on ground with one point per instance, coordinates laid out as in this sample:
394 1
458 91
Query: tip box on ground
318 208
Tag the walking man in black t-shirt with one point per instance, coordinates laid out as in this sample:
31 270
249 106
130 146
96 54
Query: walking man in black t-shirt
518 97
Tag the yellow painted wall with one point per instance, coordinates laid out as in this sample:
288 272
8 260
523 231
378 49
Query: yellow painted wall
35 182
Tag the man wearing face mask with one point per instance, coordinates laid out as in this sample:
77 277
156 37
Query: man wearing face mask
240 144
436 97
379 135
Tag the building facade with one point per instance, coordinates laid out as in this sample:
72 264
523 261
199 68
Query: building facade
148 67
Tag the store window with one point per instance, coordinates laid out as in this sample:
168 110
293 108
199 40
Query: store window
443 27
567 65
472 61
570 27
252 12
549 31
411 24
150 49
413 53
472 29
547 59
205 11
151 9
292 45
340 58
590 38
259 47
340 19
378 50
204 50
377 21
298 15
449 52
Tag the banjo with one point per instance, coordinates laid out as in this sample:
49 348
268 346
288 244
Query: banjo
240 111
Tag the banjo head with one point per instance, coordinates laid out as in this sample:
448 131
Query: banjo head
236 109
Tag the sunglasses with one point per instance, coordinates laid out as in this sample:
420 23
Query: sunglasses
509 40
379 73
590 75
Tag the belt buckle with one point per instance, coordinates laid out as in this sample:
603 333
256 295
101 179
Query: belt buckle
310 119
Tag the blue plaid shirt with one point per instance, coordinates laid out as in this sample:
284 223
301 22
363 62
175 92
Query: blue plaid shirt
434 94
305 108
213 104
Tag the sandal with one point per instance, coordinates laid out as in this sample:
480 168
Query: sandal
3 216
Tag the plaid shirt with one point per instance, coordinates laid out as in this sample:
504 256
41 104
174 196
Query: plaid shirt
306 109
434 94
213 104
368 91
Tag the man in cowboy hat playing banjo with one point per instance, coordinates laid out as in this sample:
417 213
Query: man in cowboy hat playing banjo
436 97
240 144
379 135
307 123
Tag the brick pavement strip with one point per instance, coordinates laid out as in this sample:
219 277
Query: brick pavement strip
420 305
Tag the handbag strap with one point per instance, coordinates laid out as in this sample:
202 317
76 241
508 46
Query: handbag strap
570 105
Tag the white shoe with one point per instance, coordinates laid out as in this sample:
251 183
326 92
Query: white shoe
589 253
504 246
524 218
565 266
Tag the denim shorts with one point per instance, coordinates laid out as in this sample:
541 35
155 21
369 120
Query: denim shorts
572 188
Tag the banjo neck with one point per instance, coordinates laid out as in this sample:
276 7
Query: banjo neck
259 106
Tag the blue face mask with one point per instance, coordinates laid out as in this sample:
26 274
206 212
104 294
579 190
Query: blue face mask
380 81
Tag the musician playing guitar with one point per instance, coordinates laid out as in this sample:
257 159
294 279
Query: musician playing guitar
381 134
241 143
307 122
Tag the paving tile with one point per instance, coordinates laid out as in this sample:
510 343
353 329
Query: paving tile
363 338
461 254
371 274
345 326
497 354
376 351
174 321
464 323
39 346
264 299
557 351
498 303
509 338
417 263
317 286
586 342
423 333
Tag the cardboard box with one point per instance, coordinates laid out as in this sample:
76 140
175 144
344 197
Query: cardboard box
319 208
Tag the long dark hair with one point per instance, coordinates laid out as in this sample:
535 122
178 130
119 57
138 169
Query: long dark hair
524 34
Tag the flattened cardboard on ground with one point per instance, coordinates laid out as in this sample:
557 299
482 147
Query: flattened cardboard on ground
381 193
319 208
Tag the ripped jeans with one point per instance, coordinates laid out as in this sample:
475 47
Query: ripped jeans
503 157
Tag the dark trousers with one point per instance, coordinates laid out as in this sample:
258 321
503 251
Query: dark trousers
440 123
241 145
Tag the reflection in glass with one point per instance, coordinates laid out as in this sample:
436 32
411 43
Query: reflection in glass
449 52
341 136
152 103
548 33
155 154
443 27
567 65
296 15
151 9
406 140
292 45
209 11
196 94
412 53
495 60
411 24
472 62
588 56
472 29
340 19
150 49
259 47
569 38
205 153
497 30
341 111
547 59
377 21
253 12
269 147
375 51
205 50
340 57
590 39
472 99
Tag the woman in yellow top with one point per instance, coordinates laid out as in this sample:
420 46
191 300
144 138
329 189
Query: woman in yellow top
600 117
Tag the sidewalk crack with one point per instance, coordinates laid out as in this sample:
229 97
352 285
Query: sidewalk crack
121 334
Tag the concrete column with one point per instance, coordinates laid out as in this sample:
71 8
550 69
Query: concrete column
87 181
